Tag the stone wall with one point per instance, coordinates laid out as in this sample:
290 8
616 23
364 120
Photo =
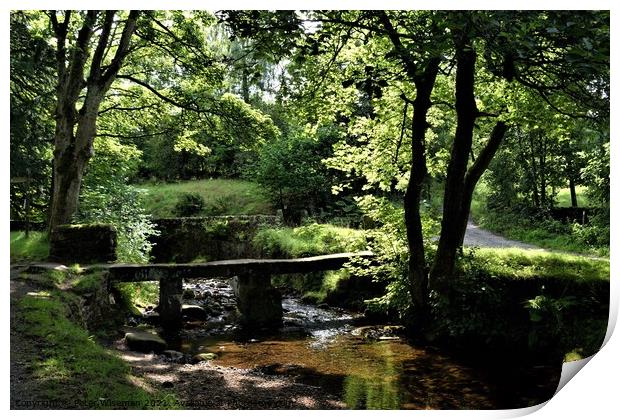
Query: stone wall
186 239
573 214
83 244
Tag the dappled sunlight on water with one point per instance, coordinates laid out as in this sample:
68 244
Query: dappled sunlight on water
362 373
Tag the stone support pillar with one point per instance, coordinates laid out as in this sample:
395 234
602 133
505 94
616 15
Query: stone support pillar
259 303
170 299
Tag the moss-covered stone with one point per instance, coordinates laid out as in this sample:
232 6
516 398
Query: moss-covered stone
145 342
203 357
186 239
84 244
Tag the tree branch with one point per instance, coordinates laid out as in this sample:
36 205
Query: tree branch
79 57
60 31
410 65
158 94
486 154
139 136
121 51
122 108
95 65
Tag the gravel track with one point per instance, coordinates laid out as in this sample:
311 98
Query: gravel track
476 236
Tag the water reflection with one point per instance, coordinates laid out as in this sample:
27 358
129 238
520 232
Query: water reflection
375 390
317 347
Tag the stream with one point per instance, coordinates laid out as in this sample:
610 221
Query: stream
366 366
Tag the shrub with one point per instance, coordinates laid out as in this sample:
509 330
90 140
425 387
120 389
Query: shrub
120 206
189 204
106 198
308 240
389 244
292 173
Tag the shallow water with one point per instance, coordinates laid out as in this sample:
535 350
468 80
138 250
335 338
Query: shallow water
326 348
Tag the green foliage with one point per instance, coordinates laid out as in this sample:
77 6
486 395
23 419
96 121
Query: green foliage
35 247
464 312
71 364
291 171
106 198
391 253
308 240
142 294
221 196
596 173
189 204
31 115
483 304
554 324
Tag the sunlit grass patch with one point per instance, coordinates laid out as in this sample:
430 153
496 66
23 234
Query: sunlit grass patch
221 196
308 240
139 294
70 365
562 199
521 263
35 247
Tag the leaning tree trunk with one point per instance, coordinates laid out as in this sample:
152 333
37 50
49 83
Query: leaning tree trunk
461 181
75 131
475 172
453 211
418 279
71 154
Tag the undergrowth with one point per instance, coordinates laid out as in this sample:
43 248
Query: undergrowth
69 367
309 240
35 247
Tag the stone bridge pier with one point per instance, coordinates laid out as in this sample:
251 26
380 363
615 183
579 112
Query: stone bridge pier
258 302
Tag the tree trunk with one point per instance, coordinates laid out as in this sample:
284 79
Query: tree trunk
542 153
245 84
75 131
475 172
453 210
535 173
573 192
424 81
71 154
418 279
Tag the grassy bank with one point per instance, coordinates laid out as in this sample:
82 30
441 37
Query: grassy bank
309 240
521 264
526 303
67 367
333 287
35 247
221 196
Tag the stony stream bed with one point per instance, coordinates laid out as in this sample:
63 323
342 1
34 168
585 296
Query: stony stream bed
329 351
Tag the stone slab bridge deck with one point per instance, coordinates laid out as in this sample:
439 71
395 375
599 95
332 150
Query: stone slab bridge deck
259 303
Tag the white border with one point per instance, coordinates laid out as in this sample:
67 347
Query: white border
593 394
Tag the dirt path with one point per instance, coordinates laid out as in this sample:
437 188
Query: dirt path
476 236
21 351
